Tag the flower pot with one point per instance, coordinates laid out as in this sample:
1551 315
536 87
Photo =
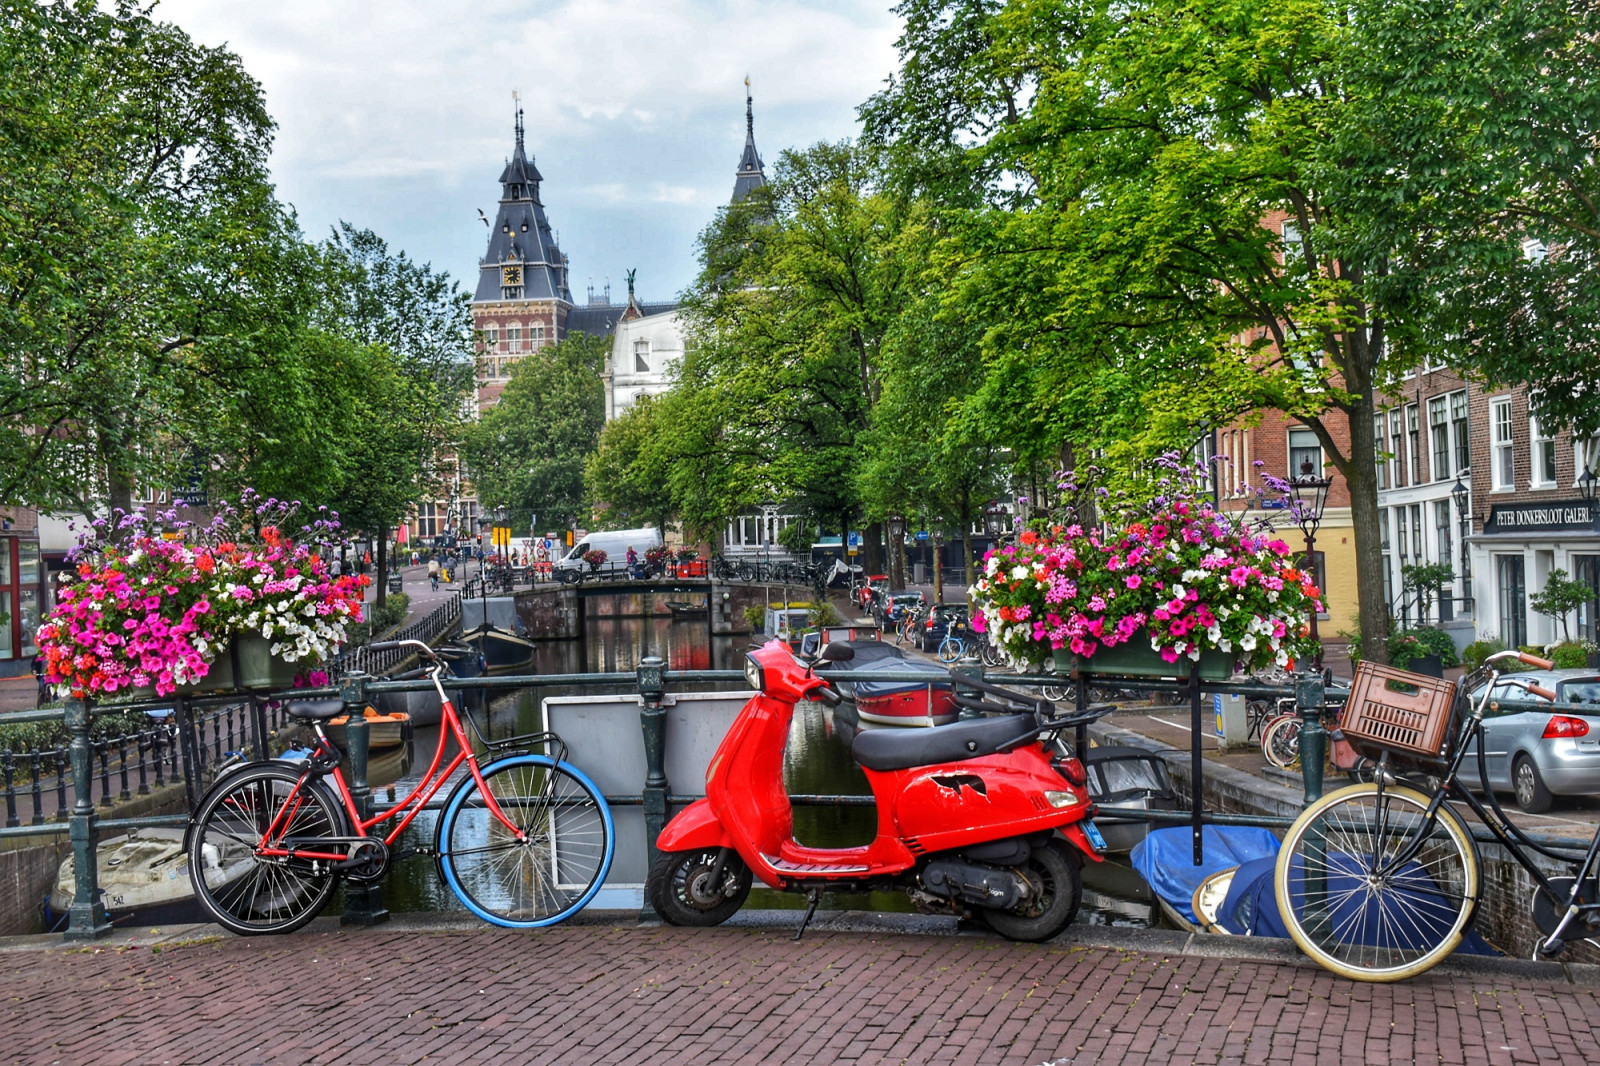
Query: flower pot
1134 658
218 679
258 668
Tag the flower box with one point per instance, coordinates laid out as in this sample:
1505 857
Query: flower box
1135 659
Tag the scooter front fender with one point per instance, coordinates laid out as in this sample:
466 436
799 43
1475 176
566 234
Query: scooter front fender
696 826
1080 840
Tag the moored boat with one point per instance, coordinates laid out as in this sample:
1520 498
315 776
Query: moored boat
1165 858
503 651
383 730
1129 778
143 878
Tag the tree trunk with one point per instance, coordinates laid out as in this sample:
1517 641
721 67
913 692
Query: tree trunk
938 569
1360 476
872 549
383 565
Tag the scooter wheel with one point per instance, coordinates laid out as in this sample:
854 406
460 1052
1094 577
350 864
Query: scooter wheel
1058 886
680 887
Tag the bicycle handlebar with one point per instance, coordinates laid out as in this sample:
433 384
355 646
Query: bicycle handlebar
1530 660
395 645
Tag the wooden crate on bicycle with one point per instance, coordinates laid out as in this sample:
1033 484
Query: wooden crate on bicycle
1399 711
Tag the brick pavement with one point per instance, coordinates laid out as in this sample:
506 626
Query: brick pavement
583 994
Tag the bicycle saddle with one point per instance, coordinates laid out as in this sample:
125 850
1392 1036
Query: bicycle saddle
315 710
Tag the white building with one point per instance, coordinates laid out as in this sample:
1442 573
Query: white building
644 351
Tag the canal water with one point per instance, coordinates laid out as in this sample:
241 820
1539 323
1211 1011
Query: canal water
817 762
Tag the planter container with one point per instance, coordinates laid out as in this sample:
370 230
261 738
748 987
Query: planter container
1135 659
258 668
218 679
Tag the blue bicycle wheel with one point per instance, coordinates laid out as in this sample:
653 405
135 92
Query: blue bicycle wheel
555 869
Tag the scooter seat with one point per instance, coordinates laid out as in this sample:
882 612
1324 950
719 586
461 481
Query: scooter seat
901 749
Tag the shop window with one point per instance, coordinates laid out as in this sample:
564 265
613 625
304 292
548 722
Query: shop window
1586 568
1513 593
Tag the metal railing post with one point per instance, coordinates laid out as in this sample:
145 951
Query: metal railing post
363 900
1308 698
86 918
652 681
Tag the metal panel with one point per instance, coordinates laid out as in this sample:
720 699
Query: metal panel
604 740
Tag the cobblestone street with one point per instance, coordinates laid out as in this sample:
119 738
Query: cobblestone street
623 994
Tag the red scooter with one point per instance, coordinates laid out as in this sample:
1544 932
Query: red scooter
977 817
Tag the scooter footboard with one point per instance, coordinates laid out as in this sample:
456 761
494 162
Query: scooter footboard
696 826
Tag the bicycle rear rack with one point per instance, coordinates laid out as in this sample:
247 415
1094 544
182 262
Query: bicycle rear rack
546 743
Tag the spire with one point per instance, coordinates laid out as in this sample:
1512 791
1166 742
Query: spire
516 98
749 176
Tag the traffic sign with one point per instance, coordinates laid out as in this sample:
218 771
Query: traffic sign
922 534
855 540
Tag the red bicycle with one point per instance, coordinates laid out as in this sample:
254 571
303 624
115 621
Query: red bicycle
524 841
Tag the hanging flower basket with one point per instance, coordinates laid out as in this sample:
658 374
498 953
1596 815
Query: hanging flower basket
1162 584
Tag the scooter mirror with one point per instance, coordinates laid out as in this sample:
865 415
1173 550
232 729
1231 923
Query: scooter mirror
836 653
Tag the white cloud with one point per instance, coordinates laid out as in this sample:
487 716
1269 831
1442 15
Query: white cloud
396 115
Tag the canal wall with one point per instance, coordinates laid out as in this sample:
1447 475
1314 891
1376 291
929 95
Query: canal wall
1502 915
557 612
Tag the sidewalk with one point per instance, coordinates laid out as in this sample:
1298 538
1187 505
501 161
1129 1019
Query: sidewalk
872 993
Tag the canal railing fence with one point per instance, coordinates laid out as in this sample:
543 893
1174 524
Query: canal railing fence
207 733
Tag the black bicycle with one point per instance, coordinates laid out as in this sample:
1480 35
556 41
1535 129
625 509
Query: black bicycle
1380 881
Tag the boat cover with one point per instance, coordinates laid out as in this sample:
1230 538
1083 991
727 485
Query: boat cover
1165 858
1251 907
1120 774
938 675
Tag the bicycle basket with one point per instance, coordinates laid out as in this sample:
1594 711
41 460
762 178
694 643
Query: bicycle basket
1400 712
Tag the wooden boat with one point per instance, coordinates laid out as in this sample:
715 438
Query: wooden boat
383 730
503 651
681 609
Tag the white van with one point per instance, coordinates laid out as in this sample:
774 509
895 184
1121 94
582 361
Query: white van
615 543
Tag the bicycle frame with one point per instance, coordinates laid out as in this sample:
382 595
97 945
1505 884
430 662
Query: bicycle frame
407 809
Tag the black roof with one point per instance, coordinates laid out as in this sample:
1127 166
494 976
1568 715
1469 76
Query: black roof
749 176
600 320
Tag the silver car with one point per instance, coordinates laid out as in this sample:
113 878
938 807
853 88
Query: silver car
1538 755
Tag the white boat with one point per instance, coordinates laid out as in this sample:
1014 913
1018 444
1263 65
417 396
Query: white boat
143 877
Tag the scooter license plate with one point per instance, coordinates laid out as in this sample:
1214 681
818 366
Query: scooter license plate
1093 833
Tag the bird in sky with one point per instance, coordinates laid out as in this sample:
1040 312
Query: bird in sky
483 217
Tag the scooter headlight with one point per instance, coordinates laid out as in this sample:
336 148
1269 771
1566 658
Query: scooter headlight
753 674
1061 799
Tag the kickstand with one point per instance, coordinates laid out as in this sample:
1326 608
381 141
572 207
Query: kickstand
813 897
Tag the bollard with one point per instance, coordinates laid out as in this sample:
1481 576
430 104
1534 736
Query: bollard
86 918
1308 698
652 681
363 900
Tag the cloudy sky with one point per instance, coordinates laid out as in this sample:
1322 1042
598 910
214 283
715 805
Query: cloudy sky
397 114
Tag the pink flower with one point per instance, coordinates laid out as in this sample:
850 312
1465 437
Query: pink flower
1133 581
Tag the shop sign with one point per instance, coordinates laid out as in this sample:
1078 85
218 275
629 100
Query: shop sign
1543 517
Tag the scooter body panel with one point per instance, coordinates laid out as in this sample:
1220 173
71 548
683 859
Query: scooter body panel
694 827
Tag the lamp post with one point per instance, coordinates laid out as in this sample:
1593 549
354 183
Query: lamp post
897 534
1310 490
1463 497
1587 482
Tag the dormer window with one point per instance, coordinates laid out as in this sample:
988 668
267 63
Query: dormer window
516 192
641 356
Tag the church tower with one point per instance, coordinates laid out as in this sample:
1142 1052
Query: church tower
522 300
749 176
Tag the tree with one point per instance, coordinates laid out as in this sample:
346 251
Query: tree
1561 596
1185 209
628 478
527 453
133 179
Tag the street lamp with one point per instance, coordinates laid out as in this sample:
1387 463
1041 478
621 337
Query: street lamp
1310 491
1463 497
1586 483
897 534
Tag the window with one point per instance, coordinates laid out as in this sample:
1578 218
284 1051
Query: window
1383 543
1397 448
1544 456
1416 532
1415 436
1504 455
1439 426
1400 532
491 336
1444 547
641 356
1586 568
1512 595
1305 454
1379 463
514 337
511 292
536 337
1458 429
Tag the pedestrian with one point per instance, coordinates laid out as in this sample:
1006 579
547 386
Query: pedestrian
433 573
38 676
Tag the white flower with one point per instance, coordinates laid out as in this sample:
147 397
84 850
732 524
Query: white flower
1247 642
1019 571
1282 658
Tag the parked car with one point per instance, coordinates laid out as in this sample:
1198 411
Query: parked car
894 605
1537 755
940 619
866 594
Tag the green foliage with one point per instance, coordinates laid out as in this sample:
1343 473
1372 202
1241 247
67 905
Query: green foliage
1561 596
381 617
528 452
797 538
755 616
1474 654
1408 645
822 614
629 477
1571 654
